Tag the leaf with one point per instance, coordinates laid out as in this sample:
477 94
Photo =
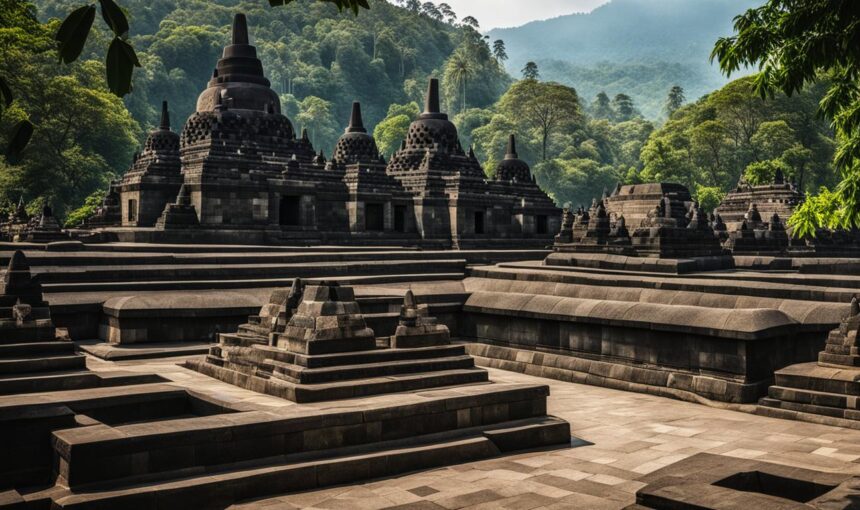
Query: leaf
22 131
114 17
73 33
119 65
5 92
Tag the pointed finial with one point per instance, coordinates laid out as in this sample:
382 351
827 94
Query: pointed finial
409 299
855 306
165 117
431 104
305 137
512 147
355 123
240 29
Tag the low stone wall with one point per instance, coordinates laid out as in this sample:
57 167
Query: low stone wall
721 354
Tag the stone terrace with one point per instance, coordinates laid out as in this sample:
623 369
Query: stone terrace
619 438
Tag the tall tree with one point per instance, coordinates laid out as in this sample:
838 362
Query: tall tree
674 100
794 44
544 108
622 104
499 51
470 21
448 12
530 71
460 69
602 107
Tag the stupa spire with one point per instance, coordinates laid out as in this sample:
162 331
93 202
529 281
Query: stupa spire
355 123
165 117
511 152
431 103
240 29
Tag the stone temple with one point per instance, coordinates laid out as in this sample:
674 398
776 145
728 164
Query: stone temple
240 167
247 323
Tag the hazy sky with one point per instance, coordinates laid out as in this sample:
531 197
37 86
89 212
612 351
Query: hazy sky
511 13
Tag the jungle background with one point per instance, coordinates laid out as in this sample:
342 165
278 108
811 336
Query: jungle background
624 94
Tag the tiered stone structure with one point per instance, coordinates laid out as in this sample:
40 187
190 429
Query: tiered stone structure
828 388
250 179
779 198
416 328
45 230
153 179
28 339
674 236
326 351
636 201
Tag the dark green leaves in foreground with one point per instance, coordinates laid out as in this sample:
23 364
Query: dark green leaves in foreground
121 59
114 17
73 33
5 93
20 136
354 5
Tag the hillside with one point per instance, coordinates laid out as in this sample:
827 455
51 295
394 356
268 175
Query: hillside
317 59
648 45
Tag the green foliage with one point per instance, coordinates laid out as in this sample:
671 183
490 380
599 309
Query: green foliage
86 211
308 48
393 128
709 197
763 172
822 210
82 133
674 100
796 45
712 142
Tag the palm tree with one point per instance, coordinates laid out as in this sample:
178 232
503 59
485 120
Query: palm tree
460 69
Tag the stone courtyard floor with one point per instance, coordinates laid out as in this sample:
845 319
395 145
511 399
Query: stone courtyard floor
619 437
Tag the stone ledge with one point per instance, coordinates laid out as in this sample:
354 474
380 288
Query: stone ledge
698 388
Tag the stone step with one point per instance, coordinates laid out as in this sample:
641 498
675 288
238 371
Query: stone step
378 356
812 376
817 398
785 407
36 349
71 380
151 273
36 363
242 283
217 490
391 384
830 358
300 375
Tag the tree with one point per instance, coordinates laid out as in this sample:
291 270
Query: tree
796 44
710 150
601 108
393 128
542 107
499 50
763 172
709 197
450 15
623 106
315 115
460 69
674 100
530 71
430 10
772 138
470 21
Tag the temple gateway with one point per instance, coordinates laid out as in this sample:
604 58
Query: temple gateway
239 173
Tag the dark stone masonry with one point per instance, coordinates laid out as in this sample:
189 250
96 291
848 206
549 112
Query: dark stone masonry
248 323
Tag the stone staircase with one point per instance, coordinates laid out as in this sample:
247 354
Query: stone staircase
829 388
